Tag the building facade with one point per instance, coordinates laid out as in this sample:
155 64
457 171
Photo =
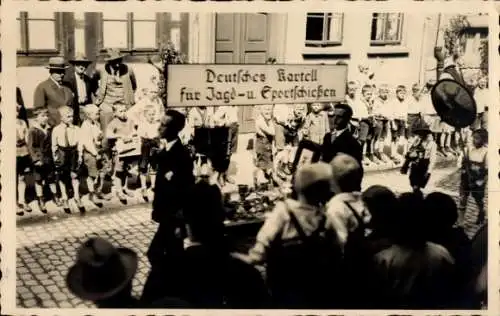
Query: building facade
398 47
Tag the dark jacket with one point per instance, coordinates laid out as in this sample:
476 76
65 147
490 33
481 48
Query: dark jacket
344 143
172 195
90 87
52 97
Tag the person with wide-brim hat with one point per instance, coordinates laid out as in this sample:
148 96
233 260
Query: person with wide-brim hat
82 85
52 93
421 156
103 274
117 84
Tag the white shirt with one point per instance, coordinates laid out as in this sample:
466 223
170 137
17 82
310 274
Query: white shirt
426 106
358 108
148 130
89 136
341 218
81 88
64 136
282 113
481 96
414 106
399 109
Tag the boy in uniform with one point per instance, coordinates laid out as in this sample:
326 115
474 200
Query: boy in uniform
90 150
122 139
367 104
65 139
23 162
398 122
316 125
41 156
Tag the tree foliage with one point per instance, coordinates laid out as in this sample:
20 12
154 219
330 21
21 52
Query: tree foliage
169 55
453 38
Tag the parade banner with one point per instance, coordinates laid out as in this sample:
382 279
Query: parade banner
192 85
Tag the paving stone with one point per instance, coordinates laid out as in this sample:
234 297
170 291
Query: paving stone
65 305
44 296
38 289
22 270
47 282
21 290
49 304
37 271
30 303
31 283
59 296
26 295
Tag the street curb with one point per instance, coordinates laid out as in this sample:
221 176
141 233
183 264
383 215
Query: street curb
117 207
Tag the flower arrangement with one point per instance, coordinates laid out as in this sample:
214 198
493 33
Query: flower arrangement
169 55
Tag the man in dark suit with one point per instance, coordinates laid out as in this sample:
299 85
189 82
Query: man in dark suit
340 140
82 85
174 181
51 93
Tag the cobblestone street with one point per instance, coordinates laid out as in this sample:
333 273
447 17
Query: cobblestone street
46 249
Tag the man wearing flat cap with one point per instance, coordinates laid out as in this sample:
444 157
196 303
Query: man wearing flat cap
52 93
82 85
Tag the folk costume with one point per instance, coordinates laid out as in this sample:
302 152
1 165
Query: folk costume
421 157
115 85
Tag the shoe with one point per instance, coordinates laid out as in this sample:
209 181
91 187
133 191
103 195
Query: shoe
105 197
43 207
145 195
80 206
65 206
122 198
27 208
20 213
128 193
95 200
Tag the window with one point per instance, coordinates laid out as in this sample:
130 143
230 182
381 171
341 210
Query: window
132 31
471 42
387 29
324 29
37 32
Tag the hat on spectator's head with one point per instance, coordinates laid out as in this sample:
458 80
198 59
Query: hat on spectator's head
113 54
80 59
57 63
34 112
101 270
310 174
347 173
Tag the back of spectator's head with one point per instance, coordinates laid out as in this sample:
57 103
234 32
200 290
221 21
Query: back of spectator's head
409 221
481 134
204 213
178 120
381 203
312 183
347 174
442 209
346 108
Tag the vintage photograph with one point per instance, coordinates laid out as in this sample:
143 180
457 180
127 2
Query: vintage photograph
163 157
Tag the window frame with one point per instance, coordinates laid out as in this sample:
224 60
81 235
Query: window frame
389 43
325 43
24 19
129 19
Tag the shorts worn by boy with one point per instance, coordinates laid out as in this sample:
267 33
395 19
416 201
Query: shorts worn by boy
39 148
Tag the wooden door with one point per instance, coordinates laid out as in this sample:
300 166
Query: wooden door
242 39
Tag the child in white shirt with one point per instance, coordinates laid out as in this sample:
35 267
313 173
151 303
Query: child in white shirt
149 134
90 147
65 139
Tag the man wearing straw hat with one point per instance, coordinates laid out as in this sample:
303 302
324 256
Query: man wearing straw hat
82 85
51 93
117 84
